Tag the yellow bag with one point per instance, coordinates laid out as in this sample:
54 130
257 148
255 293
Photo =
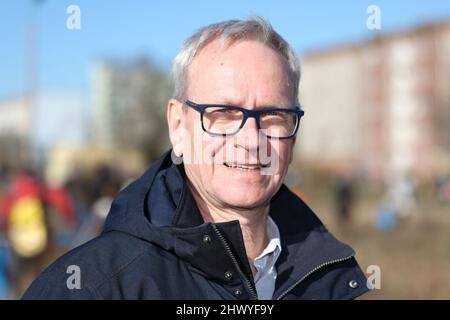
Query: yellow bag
27 230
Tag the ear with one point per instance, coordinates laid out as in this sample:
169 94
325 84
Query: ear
175 124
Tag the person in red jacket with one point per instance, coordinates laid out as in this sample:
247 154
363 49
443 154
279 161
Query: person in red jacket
33 215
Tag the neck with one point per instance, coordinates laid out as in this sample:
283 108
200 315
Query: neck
253 223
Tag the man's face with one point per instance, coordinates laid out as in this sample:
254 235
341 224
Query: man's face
250 75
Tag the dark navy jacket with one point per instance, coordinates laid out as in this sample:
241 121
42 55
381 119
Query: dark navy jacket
155 245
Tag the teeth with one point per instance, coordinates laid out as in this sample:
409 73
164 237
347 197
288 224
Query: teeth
242 167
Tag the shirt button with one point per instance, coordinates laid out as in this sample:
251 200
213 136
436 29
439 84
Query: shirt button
237 292
228 275
206 239
353 284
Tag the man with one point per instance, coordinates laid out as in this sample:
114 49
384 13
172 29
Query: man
212 219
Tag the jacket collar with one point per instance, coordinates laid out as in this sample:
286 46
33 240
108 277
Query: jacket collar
159 208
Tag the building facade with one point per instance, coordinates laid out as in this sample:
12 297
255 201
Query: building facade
380 107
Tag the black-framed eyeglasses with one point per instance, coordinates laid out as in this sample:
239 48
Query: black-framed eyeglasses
225 120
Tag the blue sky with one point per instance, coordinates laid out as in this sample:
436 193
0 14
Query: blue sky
129 29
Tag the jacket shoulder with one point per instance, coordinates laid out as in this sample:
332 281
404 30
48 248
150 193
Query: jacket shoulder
78 273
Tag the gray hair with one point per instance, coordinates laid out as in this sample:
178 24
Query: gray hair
230 31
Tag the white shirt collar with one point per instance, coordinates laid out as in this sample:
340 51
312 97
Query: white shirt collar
266 260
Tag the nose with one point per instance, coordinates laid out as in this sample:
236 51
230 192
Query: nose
248 136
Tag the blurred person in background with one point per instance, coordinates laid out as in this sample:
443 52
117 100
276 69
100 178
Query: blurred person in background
4 247
343 199
34 215
4 270
216 228
26 229
95 202
402 194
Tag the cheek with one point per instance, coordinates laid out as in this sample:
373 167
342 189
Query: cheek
288 149
279 154
199 147
286 159
210 150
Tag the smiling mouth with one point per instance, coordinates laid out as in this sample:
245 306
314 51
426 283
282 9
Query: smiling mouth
245 167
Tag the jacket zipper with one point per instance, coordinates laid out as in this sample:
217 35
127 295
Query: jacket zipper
247 283
312 271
